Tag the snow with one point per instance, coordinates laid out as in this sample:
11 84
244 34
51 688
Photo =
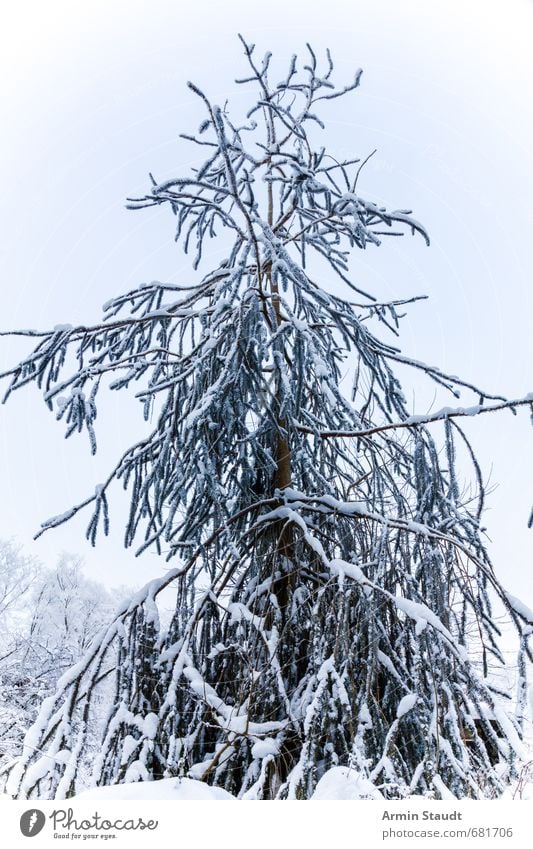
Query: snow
421 614
364 716
342 568
226 717
176 789
38 770
519 607
441 788
388 664
344 784
418 528
150 725
340 783
239 611
137 772
265 747
406 704
510 732
129 746
445 412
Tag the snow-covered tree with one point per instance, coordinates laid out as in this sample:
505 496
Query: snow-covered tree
18 575
67 611
53 616
328 568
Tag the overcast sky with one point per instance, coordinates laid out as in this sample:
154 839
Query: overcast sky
93 97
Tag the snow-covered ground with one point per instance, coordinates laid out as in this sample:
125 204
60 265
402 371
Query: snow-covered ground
185 789
339 783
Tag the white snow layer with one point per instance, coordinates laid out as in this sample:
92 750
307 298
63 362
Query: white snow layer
339 783
177 789
343 783
406 704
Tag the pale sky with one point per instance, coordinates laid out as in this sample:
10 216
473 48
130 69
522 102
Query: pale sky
93 97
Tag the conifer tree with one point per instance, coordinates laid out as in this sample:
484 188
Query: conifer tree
328 568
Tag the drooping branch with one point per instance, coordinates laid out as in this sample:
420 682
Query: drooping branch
418 420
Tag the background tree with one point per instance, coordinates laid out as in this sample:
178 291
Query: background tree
52 618
67 611
328 567
18 574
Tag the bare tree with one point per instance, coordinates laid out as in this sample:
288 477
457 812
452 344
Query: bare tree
328 568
